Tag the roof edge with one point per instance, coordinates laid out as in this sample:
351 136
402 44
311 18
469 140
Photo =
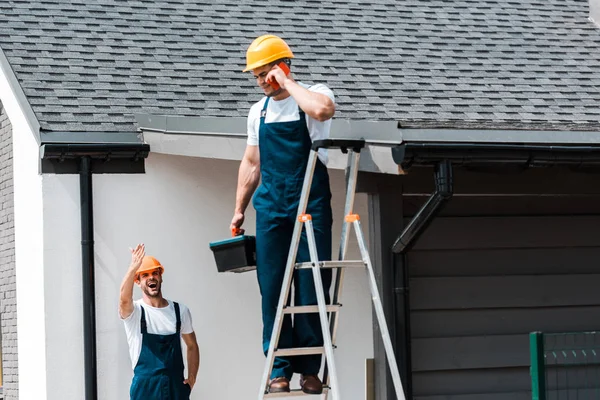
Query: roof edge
19 95
87 137
373 132
500 136
595 12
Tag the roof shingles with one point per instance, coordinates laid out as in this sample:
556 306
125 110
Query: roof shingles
482 64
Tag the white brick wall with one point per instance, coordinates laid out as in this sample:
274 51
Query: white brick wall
8 306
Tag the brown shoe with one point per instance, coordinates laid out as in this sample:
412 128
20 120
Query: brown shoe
311 384
279 385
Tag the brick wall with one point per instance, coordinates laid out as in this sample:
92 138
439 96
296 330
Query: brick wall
8 299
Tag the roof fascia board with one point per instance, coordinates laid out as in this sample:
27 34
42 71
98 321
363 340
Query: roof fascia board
204 126
225 138
8 79
374 132
500 136
374 158
91 137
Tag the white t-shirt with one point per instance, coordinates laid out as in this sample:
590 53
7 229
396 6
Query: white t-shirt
159 321
287 110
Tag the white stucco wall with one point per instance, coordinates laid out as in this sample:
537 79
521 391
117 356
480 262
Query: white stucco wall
64 309
176 208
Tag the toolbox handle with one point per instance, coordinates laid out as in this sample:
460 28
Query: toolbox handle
237 231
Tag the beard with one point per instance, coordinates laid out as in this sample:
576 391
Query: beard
152 288
274 93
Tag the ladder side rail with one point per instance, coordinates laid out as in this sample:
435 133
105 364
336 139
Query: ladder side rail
352 178
385 334
289 274
312 246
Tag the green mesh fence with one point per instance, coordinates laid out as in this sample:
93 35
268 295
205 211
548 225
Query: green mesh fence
565 366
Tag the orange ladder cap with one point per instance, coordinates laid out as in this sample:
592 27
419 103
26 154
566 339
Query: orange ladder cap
304 217
352 217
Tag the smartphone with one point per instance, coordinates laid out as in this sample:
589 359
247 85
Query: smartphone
286 70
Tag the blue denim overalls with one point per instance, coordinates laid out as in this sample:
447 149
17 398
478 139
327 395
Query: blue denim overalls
284 150
158 374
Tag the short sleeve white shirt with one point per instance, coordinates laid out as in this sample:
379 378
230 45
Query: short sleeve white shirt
287 110
159 321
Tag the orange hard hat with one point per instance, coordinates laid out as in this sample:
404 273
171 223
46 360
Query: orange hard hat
149 263
264 50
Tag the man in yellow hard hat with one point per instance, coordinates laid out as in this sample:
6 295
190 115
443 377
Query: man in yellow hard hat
281 129
154 327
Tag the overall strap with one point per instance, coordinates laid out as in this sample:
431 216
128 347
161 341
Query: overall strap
143 321
176 305
263 112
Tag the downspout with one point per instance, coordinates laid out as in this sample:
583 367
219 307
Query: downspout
443 192
87 264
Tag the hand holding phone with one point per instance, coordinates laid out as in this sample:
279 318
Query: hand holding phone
273 82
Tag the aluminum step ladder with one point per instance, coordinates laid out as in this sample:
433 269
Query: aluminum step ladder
328 313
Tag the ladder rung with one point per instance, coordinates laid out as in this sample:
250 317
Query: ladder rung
309 309
294 393
333 264
300 351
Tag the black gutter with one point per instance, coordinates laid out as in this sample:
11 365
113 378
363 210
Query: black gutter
411 154
89 159
62 158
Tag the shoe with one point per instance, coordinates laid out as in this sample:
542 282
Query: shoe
311 384
279 385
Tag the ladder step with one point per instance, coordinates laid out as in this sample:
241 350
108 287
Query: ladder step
309 309
300 351
333 264
294 393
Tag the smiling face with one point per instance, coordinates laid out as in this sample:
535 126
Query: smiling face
150 282
260 74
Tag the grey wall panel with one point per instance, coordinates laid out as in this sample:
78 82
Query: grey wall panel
498 262
480 396
481 383
503 321
471 352
505 291
470 382
492 268
469 206
552 395
535 181
510 232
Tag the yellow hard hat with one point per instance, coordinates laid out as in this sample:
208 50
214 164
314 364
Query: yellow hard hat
149 263
266 49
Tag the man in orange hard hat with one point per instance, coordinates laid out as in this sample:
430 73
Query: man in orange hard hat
281 129
154 327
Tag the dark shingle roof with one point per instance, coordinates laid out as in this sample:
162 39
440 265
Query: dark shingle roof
90 65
